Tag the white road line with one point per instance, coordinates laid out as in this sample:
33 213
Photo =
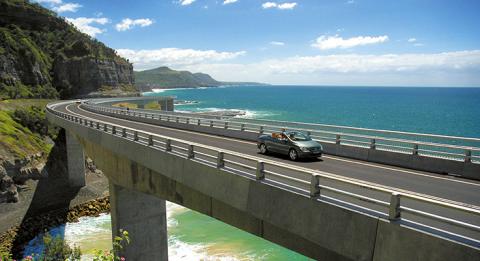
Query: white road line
328 157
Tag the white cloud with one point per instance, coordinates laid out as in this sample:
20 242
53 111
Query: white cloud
460 68
418 44
186 2
67 7
145 59
350 1
286 6
277 43
332 42
412 40
84 24
226 2
55 2
283 6
128 23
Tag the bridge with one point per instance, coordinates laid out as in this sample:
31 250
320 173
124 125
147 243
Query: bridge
372 197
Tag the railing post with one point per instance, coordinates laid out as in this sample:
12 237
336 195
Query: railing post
198 122
168 145
260 173
168 118
261 130
91 124
337 139
315 186
211 123
226 125
135 135
188 121
394 212
190 153
114 130
220 159
124 132
98 125
105 127
415 149
468 156
373 144
150 140
242 127
176 119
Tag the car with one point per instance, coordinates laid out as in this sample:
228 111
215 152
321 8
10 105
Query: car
295 144
78 101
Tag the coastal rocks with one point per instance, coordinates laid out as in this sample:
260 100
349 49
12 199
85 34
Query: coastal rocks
8 190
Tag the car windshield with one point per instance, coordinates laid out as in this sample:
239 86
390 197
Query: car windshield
298 136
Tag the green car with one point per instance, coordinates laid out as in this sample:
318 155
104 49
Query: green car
295 144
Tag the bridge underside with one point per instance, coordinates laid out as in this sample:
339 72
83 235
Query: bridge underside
317 229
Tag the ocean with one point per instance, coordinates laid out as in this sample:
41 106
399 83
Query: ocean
447 111
193 236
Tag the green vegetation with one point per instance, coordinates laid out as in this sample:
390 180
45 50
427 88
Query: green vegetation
55 248
153 106
23 127
164 77
35 44
125 105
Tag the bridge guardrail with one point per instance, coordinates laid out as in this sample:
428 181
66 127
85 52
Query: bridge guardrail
448 151
311 183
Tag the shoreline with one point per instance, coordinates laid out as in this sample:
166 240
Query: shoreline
14 239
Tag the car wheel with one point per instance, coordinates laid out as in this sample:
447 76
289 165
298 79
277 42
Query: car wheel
263 148
293 154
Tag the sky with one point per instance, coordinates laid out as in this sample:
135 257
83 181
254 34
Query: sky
308 42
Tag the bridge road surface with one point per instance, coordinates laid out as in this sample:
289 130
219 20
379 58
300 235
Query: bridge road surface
466 192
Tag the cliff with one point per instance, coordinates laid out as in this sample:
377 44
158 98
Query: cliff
44 56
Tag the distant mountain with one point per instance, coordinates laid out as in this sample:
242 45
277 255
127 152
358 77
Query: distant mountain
164 77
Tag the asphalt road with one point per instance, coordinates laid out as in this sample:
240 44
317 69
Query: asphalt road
466 192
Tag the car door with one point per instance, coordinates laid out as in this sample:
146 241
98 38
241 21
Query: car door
283 145
272 144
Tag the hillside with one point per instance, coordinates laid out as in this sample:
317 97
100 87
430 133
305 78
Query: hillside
164 77
44 56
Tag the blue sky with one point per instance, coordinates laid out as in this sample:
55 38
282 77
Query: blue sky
324 42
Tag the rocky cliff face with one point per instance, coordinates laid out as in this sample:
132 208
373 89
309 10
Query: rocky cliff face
42 55
86 75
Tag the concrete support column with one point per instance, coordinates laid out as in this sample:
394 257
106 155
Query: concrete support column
75 161
144 217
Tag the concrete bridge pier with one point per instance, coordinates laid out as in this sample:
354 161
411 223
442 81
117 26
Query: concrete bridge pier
75 161
145 218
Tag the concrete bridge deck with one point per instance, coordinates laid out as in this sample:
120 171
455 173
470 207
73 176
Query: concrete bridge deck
463 192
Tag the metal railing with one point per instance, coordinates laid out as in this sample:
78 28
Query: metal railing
374 139
383 202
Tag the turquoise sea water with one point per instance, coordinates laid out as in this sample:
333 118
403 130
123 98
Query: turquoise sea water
447 111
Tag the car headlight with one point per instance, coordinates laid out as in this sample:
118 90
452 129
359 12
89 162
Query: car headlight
304 149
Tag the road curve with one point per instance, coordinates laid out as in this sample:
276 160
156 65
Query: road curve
452 188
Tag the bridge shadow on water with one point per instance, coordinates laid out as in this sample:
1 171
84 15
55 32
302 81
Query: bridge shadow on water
51 199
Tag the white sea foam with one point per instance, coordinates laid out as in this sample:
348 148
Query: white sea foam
91 229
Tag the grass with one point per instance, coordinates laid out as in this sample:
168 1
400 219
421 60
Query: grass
16 138
125 105
153 106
